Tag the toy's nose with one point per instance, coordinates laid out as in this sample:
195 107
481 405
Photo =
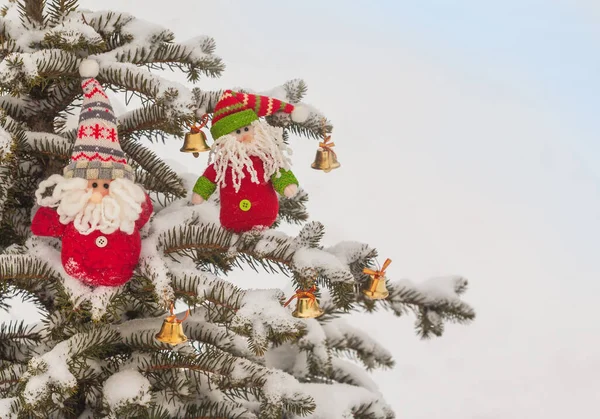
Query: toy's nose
96 197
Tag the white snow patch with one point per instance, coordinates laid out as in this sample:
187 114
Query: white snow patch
260 308
6 141
5 406
126 387
337 401
315 339
55 372
349 251
357 373
440 287
72 30
327 263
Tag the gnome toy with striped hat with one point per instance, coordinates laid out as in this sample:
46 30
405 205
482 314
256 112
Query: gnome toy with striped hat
95 207
248 161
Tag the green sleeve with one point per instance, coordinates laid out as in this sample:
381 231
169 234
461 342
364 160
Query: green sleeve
285 179
204 187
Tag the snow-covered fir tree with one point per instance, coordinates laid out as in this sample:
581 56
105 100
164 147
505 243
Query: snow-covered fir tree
94 353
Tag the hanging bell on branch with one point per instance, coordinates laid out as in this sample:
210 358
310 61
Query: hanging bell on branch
377 289
195 140
171 331
307 306
326 159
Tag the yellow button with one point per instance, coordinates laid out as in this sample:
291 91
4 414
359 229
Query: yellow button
245 205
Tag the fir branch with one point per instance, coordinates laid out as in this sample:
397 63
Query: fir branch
128 77
206 100
57 10
49 145
10 375
32 13
148 122
17 340
293 210
110 26
30 274
345 339
215 410
160 173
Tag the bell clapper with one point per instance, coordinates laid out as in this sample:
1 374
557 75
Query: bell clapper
195 140
377 289
171 331
307 306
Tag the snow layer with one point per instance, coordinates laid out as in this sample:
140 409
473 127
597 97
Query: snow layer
5 406
339 400
6 141
127 386
262 310
329 265
53 370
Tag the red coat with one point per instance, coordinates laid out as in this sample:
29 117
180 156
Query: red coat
96 259
255 204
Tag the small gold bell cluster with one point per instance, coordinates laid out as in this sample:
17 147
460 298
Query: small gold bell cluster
307 306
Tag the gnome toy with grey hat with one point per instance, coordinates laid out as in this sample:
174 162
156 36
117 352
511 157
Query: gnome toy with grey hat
95 207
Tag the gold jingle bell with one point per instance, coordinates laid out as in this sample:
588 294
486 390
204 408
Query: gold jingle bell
326 159
195 140
307 306
171 331
377 289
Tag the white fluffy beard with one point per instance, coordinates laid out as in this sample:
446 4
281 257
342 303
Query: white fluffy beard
267 145
118 210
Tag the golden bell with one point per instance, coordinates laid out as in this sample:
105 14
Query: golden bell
377 289
195 142
171 331
307 308
325 160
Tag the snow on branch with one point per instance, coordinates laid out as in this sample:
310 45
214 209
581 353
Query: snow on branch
29 273
53 375
19 71
347 372
124 388
17 340
49 144
263 319
345 338
434 300
350 402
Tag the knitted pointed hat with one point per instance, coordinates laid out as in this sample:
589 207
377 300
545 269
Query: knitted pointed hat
97 153
235 110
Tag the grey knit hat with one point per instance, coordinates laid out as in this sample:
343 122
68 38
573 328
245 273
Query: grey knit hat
97 153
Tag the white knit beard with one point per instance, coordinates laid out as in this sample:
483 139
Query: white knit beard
117 210
267 145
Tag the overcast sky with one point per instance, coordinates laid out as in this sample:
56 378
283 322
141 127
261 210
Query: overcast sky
468 137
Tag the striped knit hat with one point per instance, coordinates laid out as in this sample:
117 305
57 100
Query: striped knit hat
236 110
97 153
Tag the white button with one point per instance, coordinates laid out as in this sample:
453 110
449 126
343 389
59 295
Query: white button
101 241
